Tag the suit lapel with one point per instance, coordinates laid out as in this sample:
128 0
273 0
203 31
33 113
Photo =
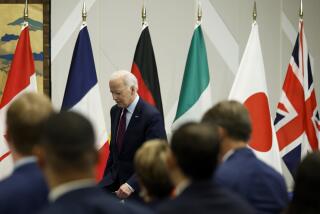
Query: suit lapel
117 118
115 130
136 115
134 118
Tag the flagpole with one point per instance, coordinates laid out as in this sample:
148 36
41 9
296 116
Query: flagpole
144 14
25 12
84 13
301 10
254 13
199 13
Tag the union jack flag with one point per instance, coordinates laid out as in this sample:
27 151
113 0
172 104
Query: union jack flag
297 121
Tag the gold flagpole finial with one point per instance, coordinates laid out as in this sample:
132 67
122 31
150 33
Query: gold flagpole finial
144 15
301 10
254 13
199 12
84 12
25 12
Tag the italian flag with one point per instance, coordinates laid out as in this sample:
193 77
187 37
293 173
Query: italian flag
195 93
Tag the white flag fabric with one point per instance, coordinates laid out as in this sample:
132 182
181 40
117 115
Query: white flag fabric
250 88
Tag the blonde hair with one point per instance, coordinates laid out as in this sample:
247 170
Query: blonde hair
150 166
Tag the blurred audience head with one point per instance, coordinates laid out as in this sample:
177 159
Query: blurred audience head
307 190
67 149
24 117
150 167
195 149
234 126
232 117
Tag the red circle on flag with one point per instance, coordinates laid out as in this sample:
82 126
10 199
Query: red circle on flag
261 136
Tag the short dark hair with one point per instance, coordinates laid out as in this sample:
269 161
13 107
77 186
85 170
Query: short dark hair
233 117
306 190
69 141
196 147
24 117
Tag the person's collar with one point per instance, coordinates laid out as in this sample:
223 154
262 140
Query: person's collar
133 105
24 161
227 155
64 188
181 187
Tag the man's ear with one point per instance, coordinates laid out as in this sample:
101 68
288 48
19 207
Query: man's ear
133 90
8 138
222 132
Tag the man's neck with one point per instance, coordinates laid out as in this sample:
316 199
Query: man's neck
24 160
66 187
229 144
55 179
133 100
16 156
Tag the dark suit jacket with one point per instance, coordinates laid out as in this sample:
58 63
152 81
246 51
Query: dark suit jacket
205 197
262 186
146 123
90 200
24 192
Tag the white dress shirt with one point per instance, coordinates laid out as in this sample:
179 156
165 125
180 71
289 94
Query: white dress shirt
62 189
130 110
24 161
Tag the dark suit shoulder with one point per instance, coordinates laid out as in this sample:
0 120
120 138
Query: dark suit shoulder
25 191
142 106
21 179
206 198
147 108
114 108
262 186
244 164
90 201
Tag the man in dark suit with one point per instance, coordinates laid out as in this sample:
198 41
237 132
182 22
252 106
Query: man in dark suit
191 163
68 156
306 188
241 171
133 121
25 190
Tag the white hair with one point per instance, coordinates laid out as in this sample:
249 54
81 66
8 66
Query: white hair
129 79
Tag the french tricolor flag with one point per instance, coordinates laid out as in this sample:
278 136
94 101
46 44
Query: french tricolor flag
82 93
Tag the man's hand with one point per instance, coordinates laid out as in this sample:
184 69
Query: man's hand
124 191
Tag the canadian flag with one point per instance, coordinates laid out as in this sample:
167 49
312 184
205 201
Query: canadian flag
250 88
21 79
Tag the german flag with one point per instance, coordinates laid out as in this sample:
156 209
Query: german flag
144 67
